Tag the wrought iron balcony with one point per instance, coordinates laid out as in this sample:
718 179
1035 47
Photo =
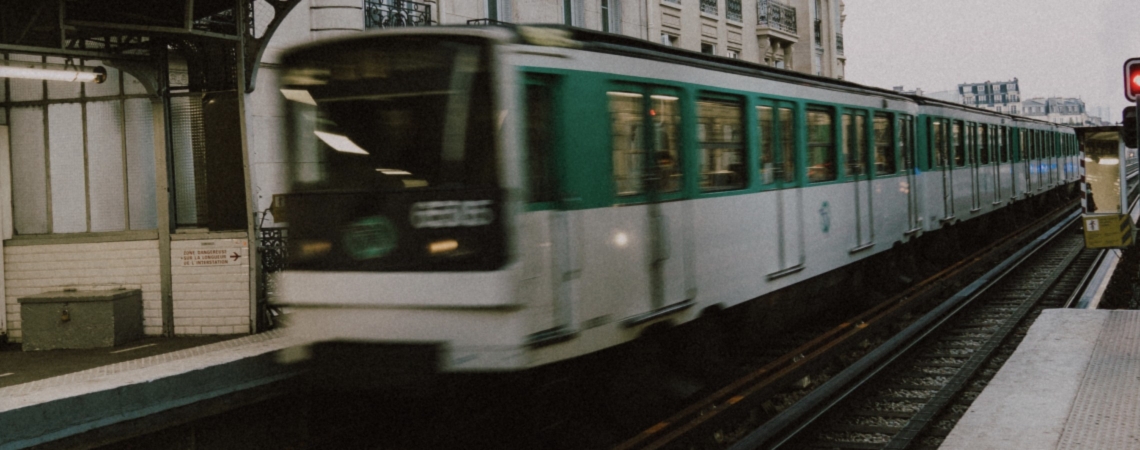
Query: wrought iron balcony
776 16
486 22
839 43
732 10
396 13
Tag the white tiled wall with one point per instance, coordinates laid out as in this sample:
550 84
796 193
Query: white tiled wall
211 299
33 269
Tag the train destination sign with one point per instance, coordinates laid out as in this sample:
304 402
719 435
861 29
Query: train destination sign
210 256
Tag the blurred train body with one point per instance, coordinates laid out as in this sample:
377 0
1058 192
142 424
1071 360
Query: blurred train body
503 198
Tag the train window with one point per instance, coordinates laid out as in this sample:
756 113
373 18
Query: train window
1002 144
906 142
855 143
540 141
767 144
984 144
821 146
627 113
788 143
720 126
941 159
956 140
628 156
777 133
884 146
665 116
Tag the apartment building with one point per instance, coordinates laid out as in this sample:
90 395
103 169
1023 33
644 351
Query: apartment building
801 35
999 96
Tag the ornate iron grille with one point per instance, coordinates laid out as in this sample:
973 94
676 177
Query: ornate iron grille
272 248
486 22
776 15
396 13
708 6
732 10
839 43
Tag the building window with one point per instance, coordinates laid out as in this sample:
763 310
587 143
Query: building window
669 39
86 164
708 49
606 16
732 53
732 10
709 6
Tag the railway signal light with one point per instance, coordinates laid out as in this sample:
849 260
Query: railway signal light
1129 125
1132 79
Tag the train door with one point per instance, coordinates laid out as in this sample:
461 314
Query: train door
907 151
778 129
973 161
993 147
1027 156
856 154
649 177
545 232
956 163
943 161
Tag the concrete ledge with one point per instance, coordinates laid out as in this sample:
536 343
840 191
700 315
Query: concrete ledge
48 410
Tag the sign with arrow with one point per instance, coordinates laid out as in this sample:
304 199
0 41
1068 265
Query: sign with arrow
210 256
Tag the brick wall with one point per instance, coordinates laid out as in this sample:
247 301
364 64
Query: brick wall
211 296
32 269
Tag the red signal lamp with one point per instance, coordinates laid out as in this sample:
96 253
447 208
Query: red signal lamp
1132 79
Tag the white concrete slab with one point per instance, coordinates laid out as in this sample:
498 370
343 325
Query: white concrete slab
1027 404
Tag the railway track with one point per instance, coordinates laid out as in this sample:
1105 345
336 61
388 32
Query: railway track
914 401
717 420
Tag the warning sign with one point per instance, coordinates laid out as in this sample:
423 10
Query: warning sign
211 257
1108 230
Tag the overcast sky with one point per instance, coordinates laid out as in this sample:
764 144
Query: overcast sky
1063 48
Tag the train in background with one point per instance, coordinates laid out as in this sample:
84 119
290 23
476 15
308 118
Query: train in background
490 199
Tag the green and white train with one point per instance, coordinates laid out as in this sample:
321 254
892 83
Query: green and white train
508 197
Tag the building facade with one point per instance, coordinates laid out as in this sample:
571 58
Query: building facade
801 35
1068 111
998 96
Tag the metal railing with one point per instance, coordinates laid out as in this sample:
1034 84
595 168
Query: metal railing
839 43
272 248
486 22
732 10
708 6
396 13
776 16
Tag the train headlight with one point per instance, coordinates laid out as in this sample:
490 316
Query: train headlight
310 248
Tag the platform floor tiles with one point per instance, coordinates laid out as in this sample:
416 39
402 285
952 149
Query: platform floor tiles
1073 383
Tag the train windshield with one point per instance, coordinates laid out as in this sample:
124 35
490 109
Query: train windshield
391 114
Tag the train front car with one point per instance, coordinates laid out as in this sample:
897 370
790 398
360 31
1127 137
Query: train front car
399 206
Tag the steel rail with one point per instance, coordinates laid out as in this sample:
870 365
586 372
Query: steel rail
804 412
768 379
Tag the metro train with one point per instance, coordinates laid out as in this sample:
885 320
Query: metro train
493 199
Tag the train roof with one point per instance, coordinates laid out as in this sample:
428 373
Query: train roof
618 44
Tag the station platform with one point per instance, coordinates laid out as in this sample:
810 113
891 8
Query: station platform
54 396
1073 383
